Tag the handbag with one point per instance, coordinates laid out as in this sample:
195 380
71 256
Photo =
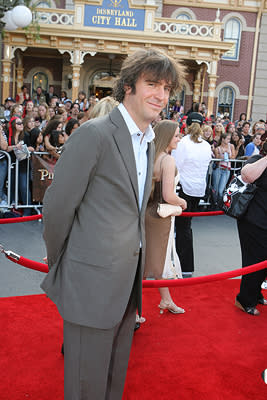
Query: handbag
165 210
22 153
236 197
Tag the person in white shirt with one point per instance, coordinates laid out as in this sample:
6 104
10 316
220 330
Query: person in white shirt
193 155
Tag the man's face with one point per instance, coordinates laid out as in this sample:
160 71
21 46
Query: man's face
75 110
149 99
53 102
245 129
9 104
39 90
68 105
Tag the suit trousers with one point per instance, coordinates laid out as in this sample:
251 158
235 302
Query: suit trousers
96 360
184 235
253 242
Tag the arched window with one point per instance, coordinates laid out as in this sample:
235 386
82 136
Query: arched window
232 33
39 79
226 101
45 4
184 17
42 4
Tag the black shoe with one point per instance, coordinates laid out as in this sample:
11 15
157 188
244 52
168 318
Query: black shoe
187 274
262 301
137 326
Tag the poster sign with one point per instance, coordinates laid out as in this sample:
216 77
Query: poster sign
114 14
42 175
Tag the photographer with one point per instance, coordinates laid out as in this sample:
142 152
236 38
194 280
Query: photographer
252 229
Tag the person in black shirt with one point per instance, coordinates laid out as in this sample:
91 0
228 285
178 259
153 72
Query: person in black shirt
195 115
252 229
246 133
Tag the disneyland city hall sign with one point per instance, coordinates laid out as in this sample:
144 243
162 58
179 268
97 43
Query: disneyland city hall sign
115 14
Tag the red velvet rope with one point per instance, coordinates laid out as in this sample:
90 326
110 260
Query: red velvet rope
25 262
20 219
205 279
201 214
40 216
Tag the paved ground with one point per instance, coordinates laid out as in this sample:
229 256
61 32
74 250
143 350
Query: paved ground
215 242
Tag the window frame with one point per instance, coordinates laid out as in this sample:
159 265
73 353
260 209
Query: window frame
236 41
230 105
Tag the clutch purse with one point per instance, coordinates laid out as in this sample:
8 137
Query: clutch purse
166 210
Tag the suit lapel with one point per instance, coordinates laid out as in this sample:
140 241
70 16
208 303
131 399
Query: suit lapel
123 141
150 165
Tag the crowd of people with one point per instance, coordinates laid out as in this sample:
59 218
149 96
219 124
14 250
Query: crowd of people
45 121
42 123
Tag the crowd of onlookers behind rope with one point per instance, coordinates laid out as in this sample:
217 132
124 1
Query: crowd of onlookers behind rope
44 122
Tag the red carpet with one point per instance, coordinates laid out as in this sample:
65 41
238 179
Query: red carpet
212 352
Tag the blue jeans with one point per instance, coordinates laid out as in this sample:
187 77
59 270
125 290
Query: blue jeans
220 178
24 191
3 174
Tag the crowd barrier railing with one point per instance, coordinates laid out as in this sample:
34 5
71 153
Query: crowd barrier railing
20 183
5 184
37 175
236 166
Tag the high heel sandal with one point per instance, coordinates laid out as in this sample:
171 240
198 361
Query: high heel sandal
248 310
171 307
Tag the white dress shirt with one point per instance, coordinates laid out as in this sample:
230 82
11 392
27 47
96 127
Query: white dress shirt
140 141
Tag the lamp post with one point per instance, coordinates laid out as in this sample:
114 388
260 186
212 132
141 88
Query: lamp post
13 14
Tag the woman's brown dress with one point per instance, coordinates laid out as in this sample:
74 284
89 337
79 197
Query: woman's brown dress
157 236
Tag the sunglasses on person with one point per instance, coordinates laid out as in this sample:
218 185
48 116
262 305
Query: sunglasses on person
19 123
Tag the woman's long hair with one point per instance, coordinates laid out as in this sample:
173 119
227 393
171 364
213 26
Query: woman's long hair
164 132
12 131
51 125
223 136
195 132
103 107
25 123
47 116
239 134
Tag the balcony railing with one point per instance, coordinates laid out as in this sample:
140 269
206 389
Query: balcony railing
197 29
55 16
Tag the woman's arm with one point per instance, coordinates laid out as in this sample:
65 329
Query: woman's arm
251 172
48 145
3 143
168 176
217 153
233 152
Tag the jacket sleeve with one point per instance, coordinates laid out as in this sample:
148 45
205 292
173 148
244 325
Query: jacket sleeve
73 172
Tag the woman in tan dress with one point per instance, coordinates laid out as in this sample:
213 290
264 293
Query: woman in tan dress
158 230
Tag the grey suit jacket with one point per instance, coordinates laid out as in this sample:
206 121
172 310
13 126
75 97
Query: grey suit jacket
93 226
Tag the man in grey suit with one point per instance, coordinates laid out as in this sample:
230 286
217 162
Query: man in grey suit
94 228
